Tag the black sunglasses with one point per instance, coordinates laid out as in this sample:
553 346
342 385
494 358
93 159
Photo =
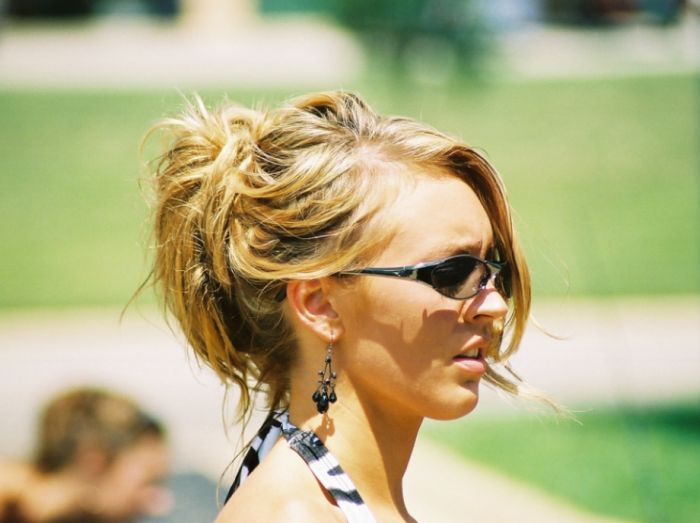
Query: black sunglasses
458 277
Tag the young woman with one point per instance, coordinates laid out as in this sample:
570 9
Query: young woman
358 269
99 459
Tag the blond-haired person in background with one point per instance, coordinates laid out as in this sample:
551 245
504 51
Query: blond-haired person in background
99 458
361 270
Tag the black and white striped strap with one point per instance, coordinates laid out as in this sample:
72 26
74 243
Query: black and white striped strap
322 463
266 437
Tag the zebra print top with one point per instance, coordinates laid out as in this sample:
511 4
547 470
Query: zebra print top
322 463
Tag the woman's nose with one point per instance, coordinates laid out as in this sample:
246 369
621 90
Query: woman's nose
488 305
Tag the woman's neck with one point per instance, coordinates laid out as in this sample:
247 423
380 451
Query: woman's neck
372 444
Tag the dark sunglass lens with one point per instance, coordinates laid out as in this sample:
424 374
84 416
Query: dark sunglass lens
504 282
453 276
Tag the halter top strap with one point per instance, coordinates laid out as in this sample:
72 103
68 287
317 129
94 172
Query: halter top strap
323 464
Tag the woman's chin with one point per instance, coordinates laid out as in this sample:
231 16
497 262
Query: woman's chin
459 404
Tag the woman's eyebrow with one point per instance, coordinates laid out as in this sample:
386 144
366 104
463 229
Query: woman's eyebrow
452 249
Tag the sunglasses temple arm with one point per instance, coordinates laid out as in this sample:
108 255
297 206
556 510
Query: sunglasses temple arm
400 272
495 267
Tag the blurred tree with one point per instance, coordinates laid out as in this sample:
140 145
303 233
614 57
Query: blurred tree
418 28
451 33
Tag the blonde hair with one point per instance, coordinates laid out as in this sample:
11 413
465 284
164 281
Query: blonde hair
247 200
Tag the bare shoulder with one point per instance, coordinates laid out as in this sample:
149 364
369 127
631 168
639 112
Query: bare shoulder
282 488
13 475
14 478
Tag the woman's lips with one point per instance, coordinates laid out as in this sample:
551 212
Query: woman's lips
471 361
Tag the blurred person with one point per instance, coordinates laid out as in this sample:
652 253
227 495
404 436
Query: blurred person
360 270
99 458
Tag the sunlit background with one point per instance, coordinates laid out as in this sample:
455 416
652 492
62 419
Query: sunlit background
589 109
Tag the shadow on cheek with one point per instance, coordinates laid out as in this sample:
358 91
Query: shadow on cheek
409 341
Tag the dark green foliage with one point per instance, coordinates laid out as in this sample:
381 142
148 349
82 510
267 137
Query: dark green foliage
406 31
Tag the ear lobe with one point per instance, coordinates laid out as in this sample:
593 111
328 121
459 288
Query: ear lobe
310 304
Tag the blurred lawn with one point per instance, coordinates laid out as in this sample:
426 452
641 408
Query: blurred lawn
637 463
602 174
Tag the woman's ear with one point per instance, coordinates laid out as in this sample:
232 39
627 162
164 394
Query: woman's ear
309 301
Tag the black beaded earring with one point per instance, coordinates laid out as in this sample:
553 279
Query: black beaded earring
325 390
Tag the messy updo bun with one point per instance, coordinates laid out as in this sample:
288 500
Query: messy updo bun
247 200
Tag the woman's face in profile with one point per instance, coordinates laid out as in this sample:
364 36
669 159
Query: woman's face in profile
414 348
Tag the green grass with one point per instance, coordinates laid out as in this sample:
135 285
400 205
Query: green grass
631 462
73 211
602 174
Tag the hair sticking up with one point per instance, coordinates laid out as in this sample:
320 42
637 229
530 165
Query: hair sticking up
247 200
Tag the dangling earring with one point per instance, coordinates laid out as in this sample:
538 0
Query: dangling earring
325 390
